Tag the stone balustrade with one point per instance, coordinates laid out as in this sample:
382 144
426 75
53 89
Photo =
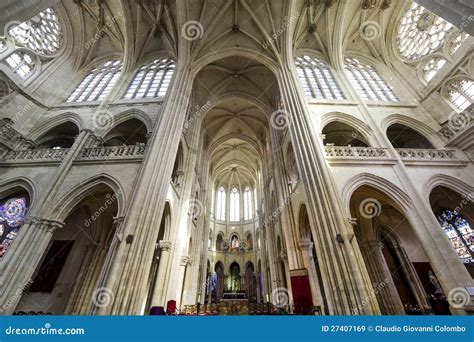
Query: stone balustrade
426 154
38 155
112 152
355 152
105 153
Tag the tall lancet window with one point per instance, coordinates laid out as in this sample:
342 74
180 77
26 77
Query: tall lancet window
97 83
317 79
367 81
41 34
220 204
234 205
152 80
248 213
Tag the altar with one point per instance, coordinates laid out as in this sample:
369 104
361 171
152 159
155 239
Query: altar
234 296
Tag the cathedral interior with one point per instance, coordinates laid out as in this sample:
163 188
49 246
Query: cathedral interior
236 157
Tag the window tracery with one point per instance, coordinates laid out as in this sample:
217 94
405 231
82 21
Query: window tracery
21 63
97 83
459 233
41 33
461 93
151 80
317 79
367 81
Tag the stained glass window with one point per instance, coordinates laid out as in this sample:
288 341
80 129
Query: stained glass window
461 93
247 204
220 202
151 80
234 205
21 63
317 79
459 232
42 33
12 216
367 81
98 83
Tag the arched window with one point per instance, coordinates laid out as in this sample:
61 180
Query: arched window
367 82
317 79
220 204
21 63
421 32
152 80
97 84
461 93
12 216
459 232
248 212
431 67
234 205
41 34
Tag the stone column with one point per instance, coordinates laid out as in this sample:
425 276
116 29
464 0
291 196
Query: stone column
306 247
384 288
345 279
13 284
157 298
415 283
128 278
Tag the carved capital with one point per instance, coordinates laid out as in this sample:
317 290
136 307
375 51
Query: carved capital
165 245
185 260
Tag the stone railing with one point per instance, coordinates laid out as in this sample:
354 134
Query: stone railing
355 152
39 155
426 154
129 152
112 152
